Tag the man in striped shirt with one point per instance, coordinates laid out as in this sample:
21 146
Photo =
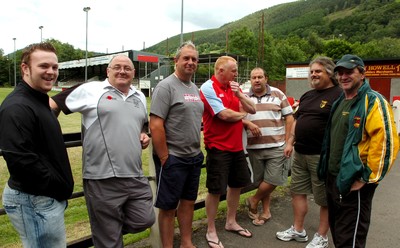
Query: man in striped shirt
267 132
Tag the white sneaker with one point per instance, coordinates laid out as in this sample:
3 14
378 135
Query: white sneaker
318 242
291 234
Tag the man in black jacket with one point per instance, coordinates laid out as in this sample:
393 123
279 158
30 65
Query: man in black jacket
306 139
35 196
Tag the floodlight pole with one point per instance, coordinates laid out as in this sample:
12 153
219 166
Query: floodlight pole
182 23
41 39
86 9
15 65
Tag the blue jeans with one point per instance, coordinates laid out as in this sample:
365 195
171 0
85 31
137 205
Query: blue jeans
39 220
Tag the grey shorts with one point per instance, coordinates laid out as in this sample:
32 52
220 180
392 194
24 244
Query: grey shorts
305 179
116 204
269 165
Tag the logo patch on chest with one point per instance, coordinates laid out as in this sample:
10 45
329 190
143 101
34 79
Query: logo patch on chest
191 98
357 121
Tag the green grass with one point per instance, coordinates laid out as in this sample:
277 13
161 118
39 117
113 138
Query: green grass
76 216
4 92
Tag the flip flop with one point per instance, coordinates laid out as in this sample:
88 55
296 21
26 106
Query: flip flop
251 212
261 218
210 242
240 232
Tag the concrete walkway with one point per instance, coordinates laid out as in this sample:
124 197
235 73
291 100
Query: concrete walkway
384 229
263 236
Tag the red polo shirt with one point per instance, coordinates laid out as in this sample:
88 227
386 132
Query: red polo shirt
223 135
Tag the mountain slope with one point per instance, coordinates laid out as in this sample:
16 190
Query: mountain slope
353 20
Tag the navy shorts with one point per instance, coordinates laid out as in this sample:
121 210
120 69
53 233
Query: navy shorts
226 169
177 179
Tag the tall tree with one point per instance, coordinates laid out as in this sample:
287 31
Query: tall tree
5 69
285 52
336 48
383 48
242 41
66 52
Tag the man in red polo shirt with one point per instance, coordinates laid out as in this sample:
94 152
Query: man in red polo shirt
224 108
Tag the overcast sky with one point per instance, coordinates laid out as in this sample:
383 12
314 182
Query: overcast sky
114 25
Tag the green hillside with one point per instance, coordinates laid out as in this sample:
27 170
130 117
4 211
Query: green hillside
282 34
352 20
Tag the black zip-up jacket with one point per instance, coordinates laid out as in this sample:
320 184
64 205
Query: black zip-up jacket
32 145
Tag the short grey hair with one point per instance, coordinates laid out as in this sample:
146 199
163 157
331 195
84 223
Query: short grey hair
188 43
120 55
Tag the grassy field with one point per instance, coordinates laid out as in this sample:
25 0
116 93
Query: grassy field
76 217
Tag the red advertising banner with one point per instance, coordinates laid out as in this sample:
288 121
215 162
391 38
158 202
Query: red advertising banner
146 58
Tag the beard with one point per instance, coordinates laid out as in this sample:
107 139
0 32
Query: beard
315 83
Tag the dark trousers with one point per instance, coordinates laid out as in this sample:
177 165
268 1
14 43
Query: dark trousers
349 215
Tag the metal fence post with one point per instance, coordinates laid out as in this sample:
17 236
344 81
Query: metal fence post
155 238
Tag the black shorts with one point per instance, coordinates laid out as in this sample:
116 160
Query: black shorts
226 169
177 179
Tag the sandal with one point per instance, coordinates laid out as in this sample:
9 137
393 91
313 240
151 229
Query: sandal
213 244
261 220
241 232
252 212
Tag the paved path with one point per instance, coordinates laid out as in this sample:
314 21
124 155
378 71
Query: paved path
384 230
264 236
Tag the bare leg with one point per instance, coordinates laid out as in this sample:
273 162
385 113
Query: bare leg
300 209
323 222
267 189
264 190
232 199
264 194
166 220
212 202
185 219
